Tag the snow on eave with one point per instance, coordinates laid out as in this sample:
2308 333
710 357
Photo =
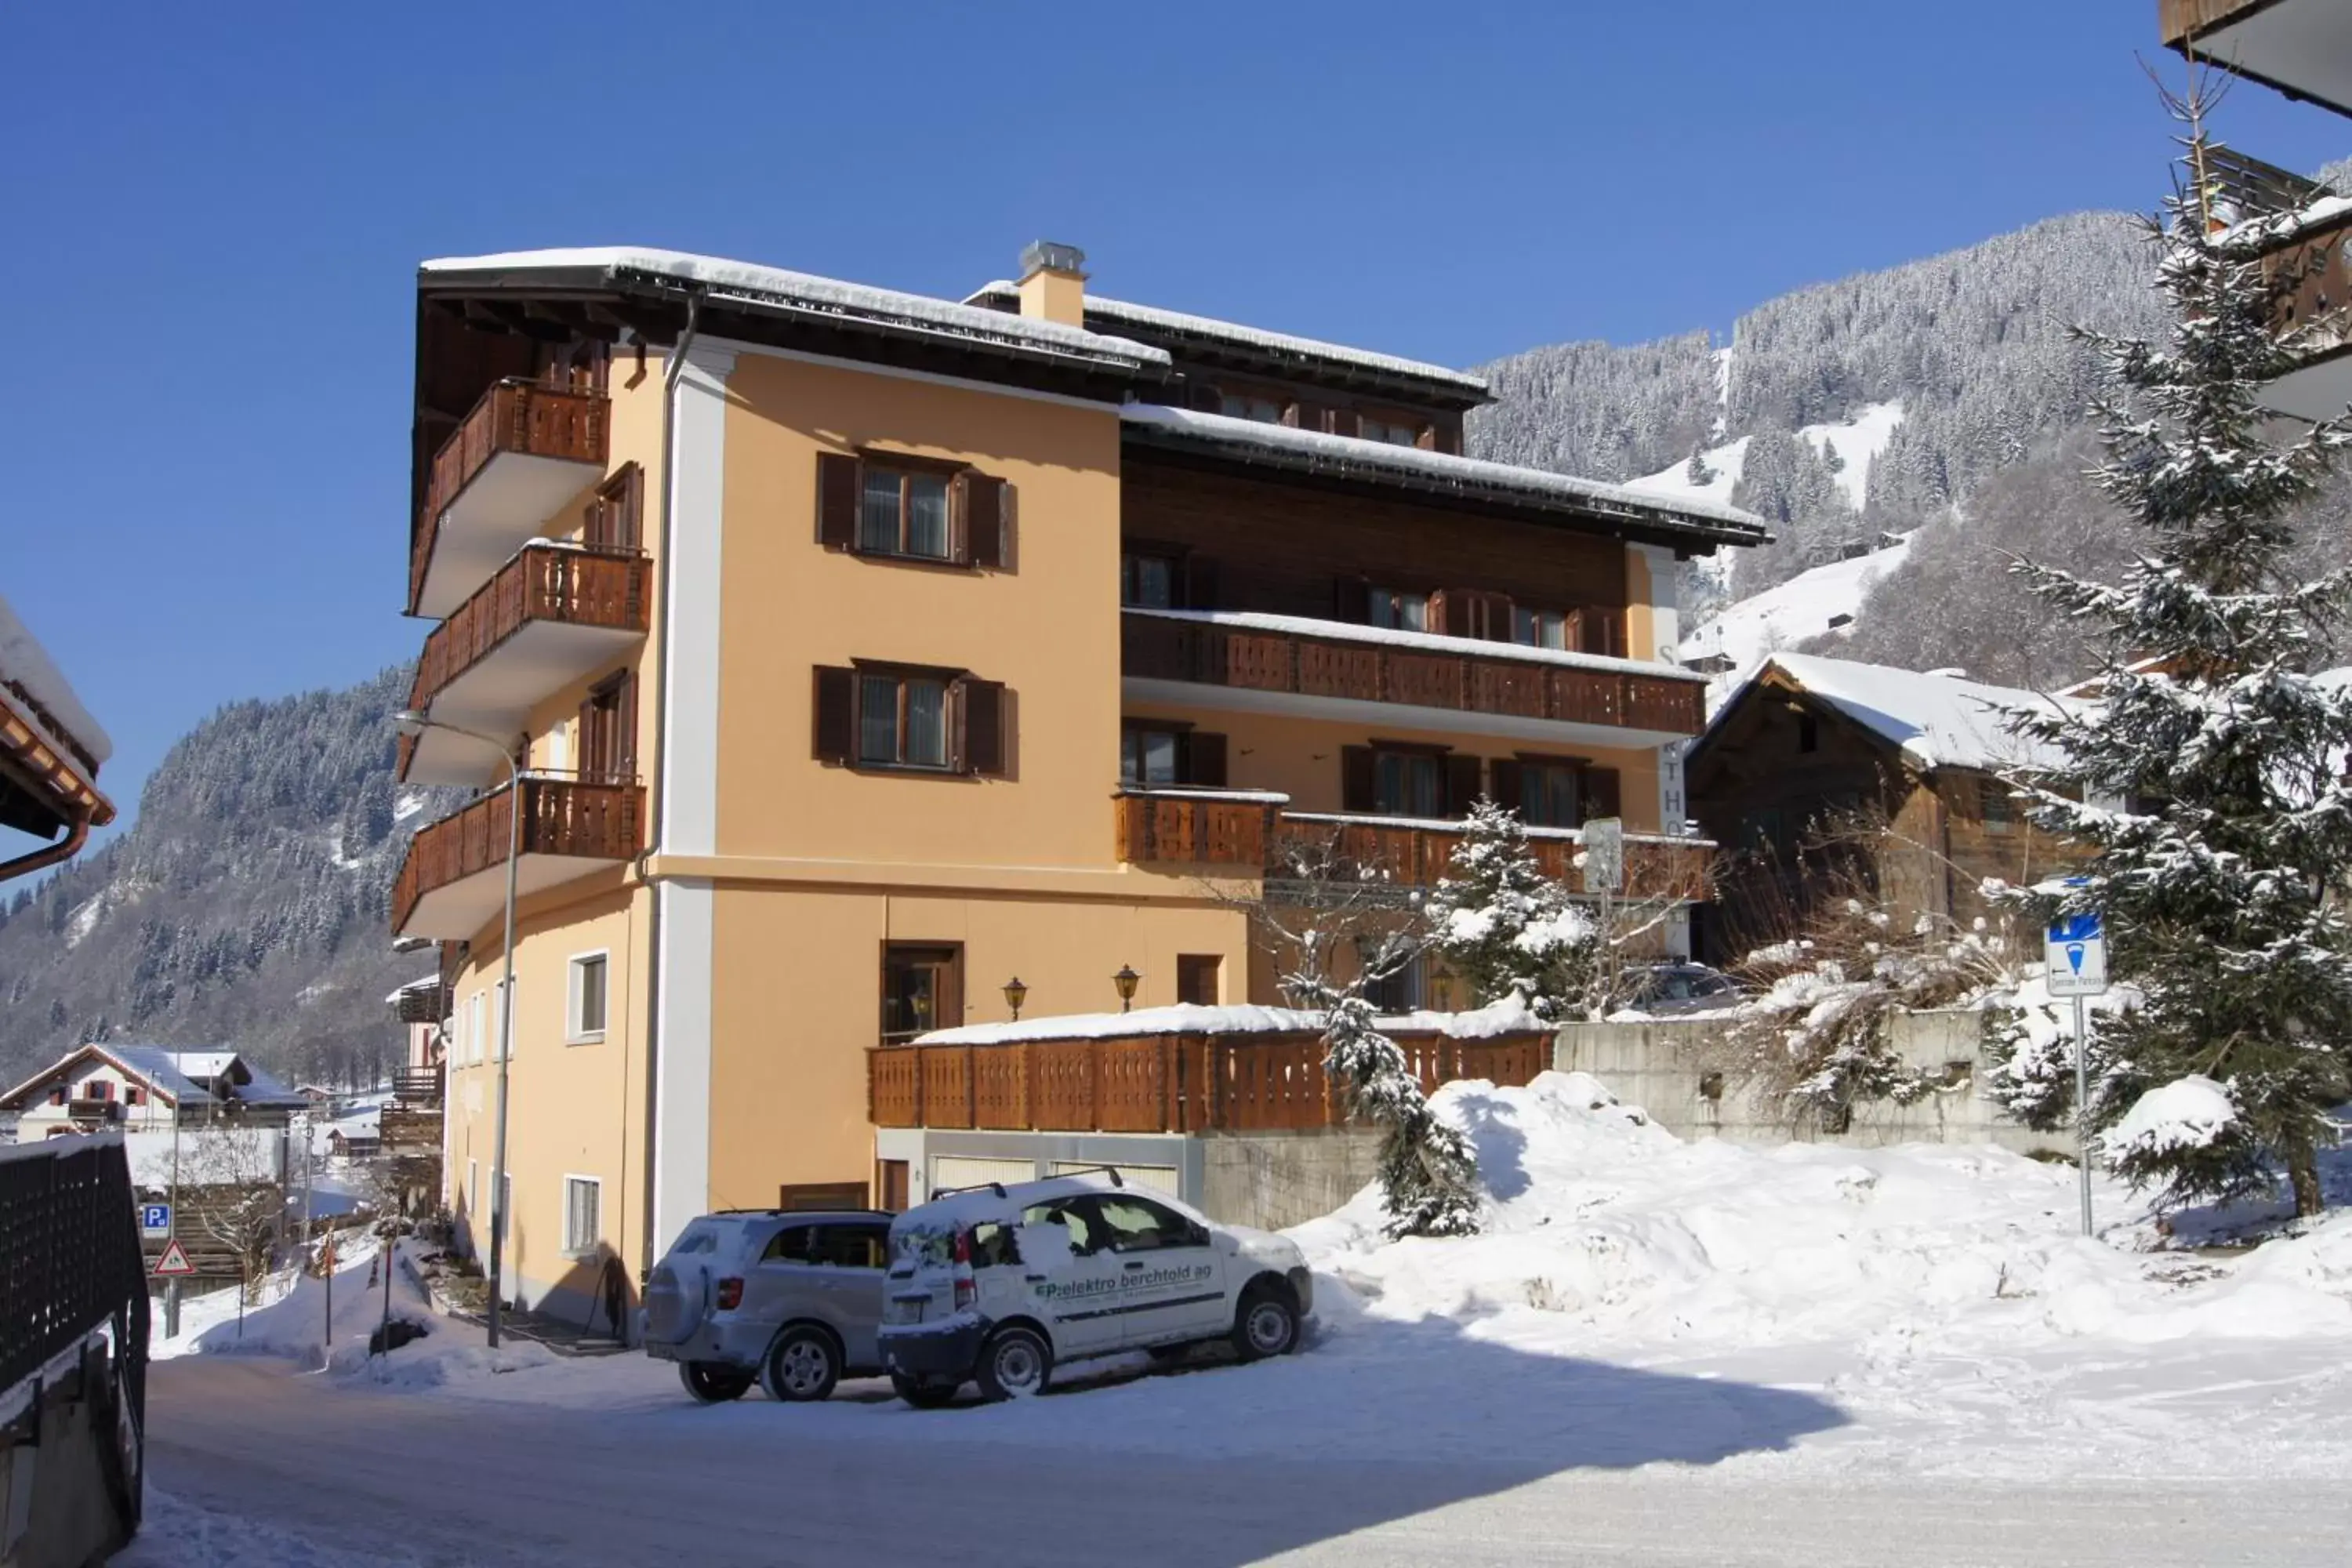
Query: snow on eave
414 987
68 727
1189 1018
1454 825
2271 229
1338 355
806 291
1383 459
1935 721
1432 642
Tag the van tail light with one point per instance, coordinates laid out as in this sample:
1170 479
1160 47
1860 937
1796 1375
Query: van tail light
967 1292
730 1295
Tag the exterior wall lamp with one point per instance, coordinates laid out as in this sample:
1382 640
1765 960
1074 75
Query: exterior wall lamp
1014 994
1125 980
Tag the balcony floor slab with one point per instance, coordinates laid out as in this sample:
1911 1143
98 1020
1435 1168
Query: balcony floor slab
510 502
1391 715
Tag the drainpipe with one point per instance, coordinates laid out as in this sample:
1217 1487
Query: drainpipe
65 849
672 370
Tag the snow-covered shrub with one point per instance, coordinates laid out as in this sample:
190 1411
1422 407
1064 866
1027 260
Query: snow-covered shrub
1505 927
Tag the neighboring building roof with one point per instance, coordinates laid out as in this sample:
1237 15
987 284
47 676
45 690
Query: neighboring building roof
799 294
26 665
177 1074
1301 353
1681 520
1936 720
414 988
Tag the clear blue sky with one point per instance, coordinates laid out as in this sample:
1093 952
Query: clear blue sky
213 214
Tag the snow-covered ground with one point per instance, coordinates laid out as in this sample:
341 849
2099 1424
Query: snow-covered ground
1858 441
1824 598
1658 1351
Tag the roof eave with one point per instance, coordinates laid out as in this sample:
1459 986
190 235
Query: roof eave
1633 523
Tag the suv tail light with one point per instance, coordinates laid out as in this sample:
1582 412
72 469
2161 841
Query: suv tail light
730 1295
967 1290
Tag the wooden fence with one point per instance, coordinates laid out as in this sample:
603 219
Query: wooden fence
1156 1083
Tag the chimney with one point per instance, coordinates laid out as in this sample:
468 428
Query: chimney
1052 288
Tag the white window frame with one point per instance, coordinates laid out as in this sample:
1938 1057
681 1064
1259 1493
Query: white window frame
575 968
477 1041
474 1215
501 1022
570 1248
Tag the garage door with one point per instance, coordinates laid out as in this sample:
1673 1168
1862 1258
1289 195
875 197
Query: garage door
962 1171
1151 1178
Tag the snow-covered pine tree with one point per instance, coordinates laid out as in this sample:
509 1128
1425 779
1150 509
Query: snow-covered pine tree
1504 927
2219 878
1697 471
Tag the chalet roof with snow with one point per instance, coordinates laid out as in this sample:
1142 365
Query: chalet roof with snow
181 1074
1204 340
1936 720
1536 492
50 746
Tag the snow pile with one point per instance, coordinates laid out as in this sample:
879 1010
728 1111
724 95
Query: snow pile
2187 1114
1505 1018
1607 1235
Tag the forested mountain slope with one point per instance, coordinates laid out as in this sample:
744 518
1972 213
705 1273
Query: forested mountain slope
245 905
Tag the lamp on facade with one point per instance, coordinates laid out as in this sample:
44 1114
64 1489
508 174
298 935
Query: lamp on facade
1014 994
1125 981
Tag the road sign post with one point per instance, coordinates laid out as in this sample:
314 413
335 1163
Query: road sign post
2075 963
174 1264
1604 855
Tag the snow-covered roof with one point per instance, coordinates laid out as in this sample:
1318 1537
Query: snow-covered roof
1354 455
1428 642
25 663
176 1073
1938 720
2277 228
430 984
1506 1018
802 291
1151 318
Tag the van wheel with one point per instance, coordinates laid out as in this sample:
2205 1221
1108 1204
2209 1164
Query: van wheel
921 1393
1015 1363
1266 1323
801 1366
712 1384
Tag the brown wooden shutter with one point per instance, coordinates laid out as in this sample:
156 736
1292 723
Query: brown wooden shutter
1200 583
837 501
1344 422
1506 782
1600 794
1204 758
1462 780
1351 600
983 520
951 996
836 713
625 727
983 726
1356 785
1207 398
1450 612
1604 632
1306 416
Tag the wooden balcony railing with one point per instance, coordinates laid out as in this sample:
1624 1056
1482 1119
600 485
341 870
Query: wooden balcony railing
417 1085
527 417
594 819
575 585
1156 1083
1473 681
1244 830
2319 283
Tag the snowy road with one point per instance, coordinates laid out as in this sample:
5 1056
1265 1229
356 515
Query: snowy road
261 1466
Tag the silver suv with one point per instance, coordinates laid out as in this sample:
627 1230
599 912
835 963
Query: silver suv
788 1300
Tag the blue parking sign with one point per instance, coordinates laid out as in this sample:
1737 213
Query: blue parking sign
155 1219
2074 954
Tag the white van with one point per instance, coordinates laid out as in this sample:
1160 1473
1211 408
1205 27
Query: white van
1000 1284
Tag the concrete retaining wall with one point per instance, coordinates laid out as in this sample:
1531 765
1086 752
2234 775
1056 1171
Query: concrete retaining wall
1275 1179
1663 1066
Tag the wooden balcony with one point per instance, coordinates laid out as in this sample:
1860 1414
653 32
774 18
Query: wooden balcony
417 1086
1200 829
553 616
2302 48
453 882
2315 309
524 450
1506 692
1156 1083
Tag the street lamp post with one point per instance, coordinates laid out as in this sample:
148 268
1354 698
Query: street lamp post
413 721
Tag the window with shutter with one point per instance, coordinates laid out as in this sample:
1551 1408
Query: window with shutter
1356 785
911 508
1204 759
1462 781
1601 794
1547 791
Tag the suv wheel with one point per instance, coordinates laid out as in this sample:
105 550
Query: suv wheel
1266 1323
922 1393
713 1383
1015 1363
801 1366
